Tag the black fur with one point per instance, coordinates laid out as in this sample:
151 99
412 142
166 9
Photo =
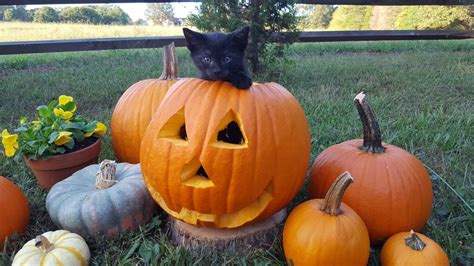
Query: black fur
211 53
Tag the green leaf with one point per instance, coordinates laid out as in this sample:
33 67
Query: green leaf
21 129
42 148
52 104
78 135
43 111
60 150
78 125
53 137
70 144
90 127
69 106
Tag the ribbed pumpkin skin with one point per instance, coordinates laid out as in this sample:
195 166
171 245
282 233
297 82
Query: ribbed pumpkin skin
14 210
314 237
392 191
132 114
396 253
69 249
251 181
76 205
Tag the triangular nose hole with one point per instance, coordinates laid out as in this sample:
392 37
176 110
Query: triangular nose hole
202 172
193 174
231 134
182 132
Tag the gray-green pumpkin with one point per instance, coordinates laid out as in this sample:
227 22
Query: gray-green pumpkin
106 201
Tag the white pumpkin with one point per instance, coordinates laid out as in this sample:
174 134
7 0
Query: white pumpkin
54 248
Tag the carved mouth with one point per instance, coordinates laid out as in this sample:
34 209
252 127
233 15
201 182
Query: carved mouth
228 220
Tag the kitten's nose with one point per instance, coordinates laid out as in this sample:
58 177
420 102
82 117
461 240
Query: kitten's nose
216 71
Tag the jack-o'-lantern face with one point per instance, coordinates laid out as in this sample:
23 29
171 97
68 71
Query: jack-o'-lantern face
223 157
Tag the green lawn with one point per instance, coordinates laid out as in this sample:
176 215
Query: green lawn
422 92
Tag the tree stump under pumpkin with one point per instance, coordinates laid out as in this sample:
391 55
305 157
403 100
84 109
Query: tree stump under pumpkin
259 234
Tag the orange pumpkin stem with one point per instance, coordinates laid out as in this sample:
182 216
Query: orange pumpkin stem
43 243
170 63
333 199
372 136
105 176
414 241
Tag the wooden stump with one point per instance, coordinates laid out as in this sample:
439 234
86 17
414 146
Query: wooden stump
259 234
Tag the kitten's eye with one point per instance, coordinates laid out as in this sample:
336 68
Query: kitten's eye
227 59
206 60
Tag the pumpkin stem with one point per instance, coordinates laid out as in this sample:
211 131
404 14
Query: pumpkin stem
170 63
105 176
43 243
372 136
333 199
414 241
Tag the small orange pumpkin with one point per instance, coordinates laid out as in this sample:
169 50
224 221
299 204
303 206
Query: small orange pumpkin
14 210
392 192
410 248
218 156
326 232
136 107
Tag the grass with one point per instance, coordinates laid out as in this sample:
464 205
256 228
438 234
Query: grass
27 31
422 92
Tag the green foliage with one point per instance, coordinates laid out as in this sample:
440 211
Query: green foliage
434 17
83 14
55 130
45 14
351 18
264 18
320 17
16 13
160 14
111 14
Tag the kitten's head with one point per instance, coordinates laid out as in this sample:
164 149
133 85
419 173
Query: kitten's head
218 54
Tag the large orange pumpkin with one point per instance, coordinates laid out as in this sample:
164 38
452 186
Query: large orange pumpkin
136 107
392 192
326 232
410 248
14 210
219 156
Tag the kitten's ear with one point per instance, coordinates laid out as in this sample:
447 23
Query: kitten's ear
193 39
240 37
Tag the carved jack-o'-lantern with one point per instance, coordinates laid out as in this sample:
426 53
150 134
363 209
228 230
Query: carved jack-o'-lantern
222 157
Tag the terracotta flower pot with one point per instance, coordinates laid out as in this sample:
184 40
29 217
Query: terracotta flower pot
49 172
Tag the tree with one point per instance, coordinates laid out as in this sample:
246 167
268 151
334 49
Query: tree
45 14
351 18
18 13
434 17
160 14
83 14
141 22
264 17
320 17
112 14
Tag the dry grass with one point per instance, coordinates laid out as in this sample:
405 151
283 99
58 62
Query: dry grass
25 31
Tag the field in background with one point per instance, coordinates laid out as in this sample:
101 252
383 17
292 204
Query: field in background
422 92
25 31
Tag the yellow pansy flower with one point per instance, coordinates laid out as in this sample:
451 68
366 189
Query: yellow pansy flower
63 99
10 143
100 129
63 114
36 122
63 138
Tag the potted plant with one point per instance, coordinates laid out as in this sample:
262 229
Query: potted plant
56 144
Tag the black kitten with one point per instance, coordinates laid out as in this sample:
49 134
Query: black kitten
220 56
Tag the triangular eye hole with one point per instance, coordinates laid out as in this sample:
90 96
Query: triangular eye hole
174 130
230 132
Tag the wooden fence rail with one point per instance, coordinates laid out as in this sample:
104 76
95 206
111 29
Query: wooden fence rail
155 42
